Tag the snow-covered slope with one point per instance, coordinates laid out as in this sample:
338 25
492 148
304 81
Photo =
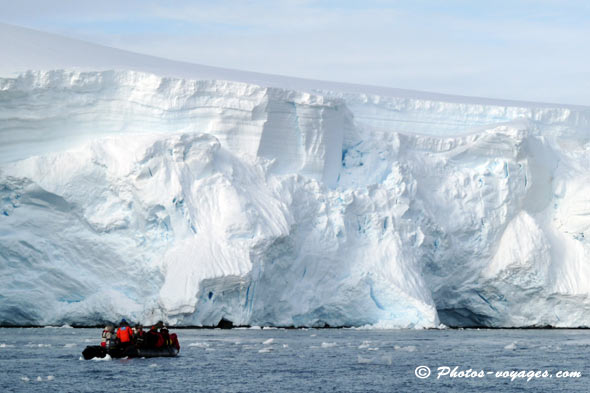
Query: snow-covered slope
161 190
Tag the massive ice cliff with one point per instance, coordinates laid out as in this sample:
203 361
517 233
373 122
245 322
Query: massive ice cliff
128 193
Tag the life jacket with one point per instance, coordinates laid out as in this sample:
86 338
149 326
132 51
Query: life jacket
166 336
160 343
124 334
153 339
174 340
139 337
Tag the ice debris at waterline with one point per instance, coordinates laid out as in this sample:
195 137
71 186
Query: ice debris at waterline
125 193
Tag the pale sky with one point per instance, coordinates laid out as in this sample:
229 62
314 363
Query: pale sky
519 49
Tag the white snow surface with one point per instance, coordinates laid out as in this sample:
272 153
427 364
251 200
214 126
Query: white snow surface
138 187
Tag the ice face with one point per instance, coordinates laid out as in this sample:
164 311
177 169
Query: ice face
131 194
57 110
176 226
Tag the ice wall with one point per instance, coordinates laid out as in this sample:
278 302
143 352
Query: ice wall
56 110
130 194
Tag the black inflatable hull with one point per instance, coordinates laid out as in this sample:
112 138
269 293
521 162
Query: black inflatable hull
96 351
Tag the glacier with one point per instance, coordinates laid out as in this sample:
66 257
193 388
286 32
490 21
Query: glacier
141 188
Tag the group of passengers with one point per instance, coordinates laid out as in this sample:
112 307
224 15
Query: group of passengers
125 336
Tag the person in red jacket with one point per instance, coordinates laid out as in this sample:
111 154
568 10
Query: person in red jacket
153 338
124 334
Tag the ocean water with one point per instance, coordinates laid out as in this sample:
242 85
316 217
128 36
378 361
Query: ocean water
305 360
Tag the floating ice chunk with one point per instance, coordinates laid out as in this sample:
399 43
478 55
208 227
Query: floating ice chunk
269 341
25 379
387 359
200 345
511 346
364 345
409 348
69 345
39 379
265 350
328 345
50 377
383 360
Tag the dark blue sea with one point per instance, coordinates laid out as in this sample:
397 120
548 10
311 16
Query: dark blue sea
322 360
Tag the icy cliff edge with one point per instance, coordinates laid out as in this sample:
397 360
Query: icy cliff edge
130 194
